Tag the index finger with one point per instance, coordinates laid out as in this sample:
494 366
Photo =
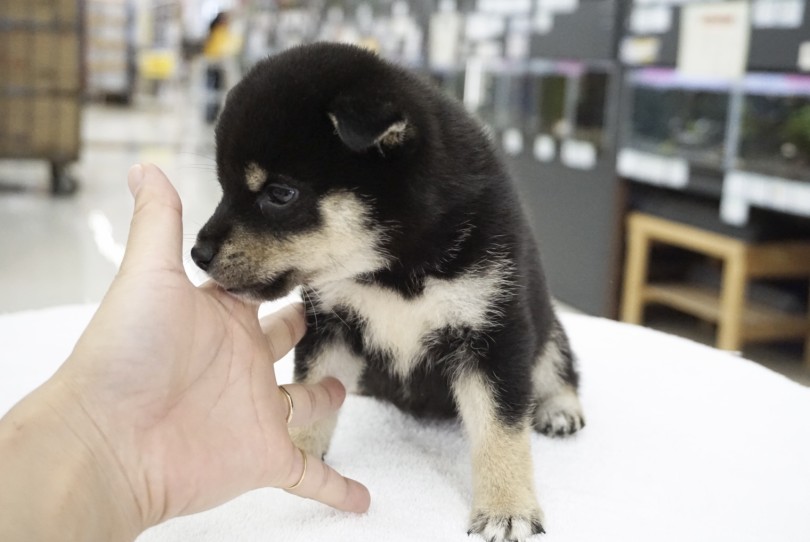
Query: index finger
322 483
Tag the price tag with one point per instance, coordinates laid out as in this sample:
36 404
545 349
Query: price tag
578 154
544 148
804 57
512 141
651 19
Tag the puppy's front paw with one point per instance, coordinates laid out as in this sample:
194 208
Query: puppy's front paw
315 438
559 415
507 528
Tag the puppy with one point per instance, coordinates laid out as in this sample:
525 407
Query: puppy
387 204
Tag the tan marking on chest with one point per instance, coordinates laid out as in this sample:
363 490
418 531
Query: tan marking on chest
398 326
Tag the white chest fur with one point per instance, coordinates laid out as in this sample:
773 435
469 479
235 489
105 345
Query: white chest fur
398 325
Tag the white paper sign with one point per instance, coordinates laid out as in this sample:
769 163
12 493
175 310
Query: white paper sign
742 189
544 148
505 7
512 140
789 13
714 39
804 57
638 51
651 19
652 168
578 154
543 22
557 6
734 211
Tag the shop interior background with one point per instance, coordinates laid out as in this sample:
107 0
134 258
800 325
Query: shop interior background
697 112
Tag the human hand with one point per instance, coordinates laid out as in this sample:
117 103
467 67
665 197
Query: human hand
173 385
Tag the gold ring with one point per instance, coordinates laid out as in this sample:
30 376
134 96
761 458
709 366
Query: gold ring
303 473
289 403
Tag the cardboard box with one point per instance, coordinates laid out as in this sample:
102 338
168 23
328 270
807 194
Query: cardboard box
15 46
43 11
14 10
40 126
55 62
68 11
44 59
62 12
68 134
16 126
42 134
70 62
4 135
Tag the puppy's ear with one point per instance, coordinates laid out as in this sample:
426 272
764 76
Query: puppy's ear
363 123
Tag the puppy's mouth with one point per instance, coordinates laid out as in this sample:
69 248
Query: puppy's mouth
277 287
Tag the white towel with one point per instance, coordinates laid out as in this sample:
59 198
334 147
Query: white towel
683 442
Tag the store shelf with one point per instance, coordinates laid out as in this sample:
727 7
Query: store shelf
759 321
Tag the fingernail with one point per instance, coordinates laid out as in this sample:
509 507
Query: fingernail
135 178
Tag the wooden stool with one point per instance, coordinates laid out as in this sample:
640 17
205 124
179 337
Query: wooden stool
738 321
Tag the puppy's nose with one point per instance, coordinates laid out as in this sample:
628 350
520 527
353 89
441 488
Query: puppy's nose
202 254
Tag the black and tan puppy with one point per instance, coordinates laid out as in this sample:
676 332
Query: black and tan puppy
386 203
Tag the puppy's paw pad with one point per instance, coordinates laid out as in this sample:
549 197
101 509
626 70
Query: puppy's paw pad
559 416
497 528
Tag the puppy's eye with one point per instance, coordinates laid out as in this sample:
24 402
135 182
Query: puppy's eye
275 197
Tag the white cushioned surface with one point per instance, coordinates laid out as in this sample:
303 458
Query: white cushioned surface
683 442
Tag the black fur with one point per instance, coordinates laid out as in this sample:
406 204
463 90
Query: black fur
314 117
445 176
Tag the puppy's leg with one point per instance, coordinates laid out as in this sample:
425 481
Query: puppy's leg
555 379
504 504
315 362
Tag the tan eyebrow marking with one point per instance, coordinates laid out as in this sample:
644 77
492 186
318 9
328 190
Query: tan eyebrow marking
255 177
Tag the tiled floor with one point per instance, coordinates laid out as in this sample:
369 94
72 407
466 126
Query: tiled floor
65 250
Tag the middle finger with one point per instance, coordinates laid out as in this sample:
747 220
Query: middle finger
312 402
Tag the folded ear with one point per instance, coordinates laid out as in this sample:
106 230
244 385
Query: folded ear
363 123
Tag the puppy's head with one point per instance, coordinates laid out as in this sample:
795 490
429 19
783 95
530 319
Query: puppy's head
316 150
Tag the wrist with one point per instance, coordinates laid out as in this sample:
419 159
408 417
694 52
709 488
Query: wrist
60 480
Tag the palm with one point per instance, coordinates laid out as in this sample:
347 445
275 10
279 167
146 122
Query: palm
218 405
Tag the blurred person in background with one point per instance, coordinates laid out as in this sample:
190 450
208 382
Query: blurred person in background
220 48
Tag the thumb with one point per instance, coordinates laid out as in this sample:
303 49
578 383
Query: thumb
156 231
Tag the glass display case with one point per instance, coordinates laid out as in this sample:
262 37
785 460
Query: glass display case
510 100
590 112
500 97
775 132
676 116
550 97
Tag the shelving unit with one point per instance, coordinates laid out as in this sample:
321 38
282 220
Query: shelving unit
739 320
110 51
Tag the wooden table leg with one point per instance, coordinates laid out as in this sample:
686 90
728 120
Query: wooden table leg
807 338
732 301
635 274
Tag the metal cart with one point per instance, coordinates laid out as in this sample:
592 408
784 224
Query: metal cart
41 84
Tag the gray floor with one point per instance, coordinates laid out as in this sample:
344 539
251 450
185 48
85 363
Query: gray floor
66 250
